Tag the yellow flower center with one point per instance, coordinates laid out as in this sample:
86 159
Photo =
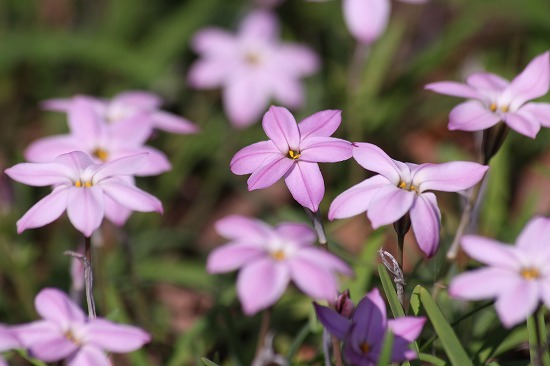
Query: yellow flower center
364 347
278 255
71 337
293 154
86 184
252 58
101 154
408 187
530 273
493 108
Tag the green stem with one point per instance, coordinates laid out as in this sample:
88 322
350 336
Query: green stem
538 347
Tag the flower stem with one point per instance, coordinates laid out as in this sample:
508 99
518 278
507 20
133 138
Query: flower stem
262 334
86 260
538 347
315 218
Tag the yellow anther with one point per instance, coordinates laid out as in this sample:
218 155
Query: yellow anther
294 154
504 108
530 273
278 255
402 185
493 107
364 347
101 154
252 58
71 337
408 187
86 184
413 188
78 183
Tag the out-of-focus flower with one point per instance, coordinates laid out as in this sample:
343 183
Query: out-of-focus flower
8 341
344 305
129 105
293 152
88 191
65 333
517 276
494 99
252 67
364 333
403 188
269 257
90 133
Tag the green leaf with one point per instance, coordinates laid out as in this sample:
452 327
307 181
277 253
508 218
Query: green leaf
456 353
385 356
207 362
537 333
432 360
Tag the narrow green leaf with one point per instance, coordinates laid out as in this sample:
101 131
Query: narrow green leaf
536 328
456 353
432 360
385 356
207 362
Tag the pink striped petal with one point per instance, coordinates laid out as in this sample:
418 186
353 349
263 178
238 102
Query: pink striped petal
130 196
171 123
425 220
472 116
356 199
118 338
454 89
89 356
518 303
85 208
306 184
320 149
482 283
251 157
314 280
44 211
41 174
272 169
54 305
491 252
366 19
389 205
373 158
523 123
261 284
243 228
233 256
323 123
281 128
126 165
448 177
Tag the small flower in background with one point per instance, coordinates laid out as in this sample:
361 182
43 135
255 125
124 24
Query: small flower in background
88 191
494 99
127 105
65 333
252 67
517 276
8 341
89 132
270 257
293 152
402 188
363 335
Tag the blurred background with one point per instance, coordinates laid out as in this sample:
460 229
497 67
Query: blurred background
151 272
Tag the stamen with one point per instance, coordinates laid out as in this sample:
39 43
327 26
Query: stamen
294 154
504 108
252 58
78 183
402 185
71 337
101 154
364 347
408 187
86 184
278 255
530 273
493 107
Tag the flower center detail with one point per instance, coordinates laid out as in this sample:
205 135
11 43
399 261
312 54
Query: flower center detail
252 59
101 154
294 154
364 347
278 255
493 108
86 184
408 187
530 273
71 337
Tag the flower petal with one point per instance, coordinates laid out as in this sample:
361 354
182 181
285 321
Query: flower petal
482 283
281 128
54 305
448 177
212 41
389 205
156 162
171 123
130 196
490 252
314 280
320 149
118 338
324 259
8 340
373 158
534 237
126 165
425 220
251 157
76 160
405 329
85 208
288 91
57 104
306 184
244 99
37 331
518 302
454 89
89 356
261 283
244 228
356 199
334 323
472 116
369 319
41 174
259 25
233 256
53 349
48 148
44 211
296 232
272 169
487 81
84 121
210 73
366 19
115 212
323 123
297 60
523 123
540 111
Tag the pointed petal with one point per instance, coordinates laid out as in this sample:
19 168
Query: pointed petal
127 165
487 81
523 123
425 220
44 211
472 116
130 131
324 259
156 162
389 205
539 111
171 123
130 196
325 149
244 99
366 19
236 227
356 199
448 177
41 174
233 256
519 301
334 323
323 123
297 60
54 305
373 158
53 349
85 123
313 279
306 184
454 89
118 338
261 283
76 160
48 148
281 128
89 356
482 283
490 252
212 41
534 237
251 157
210 73
533 82
272 169
85 208
115 212
405 329
36 332
294 231
370 319
259 25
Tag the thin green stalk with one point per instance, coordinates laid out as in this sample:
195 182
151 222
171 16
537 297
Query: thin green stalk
538 346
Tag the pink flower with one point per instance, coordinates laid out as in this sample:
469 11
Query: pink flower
517 276
270 257
65 333
402 188
127 105
364 333
90 133
252 67
293 152
88 191
8 341
493 99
